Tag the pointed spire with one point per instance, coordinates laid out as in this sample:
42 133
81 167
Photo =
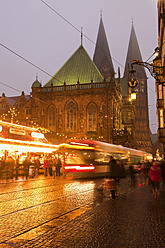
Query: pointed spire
101 12
134 54
102 57
81 36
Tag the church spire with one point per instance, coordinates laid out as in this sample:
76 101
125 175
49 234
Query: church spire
81 36
134 54
102 57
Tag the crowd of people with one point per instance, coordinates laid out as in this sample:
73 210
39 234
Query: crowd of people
52 166
150 172
29 167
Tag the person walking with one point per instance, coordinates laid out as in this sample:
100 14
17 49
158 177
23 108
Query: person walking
16 167
45 167
114 173
53 167
58 167
38 164
50 163
26 165
155 175
132 176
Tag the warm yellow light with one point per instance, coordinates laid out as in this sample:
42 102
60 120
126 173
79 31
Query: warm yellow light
133 96
30 146
68 146
37 135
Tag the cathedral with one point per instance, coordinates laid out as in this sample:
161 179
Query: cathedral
84 99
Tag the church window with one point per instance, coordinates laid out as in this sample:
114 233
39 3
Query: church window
71 117
92 117
51 117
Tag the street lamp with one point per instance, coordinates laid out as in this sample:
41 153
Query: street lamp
157 70
132 83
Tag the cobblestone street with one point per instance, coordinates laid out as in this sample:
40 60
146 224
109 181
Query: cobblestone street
70 213
134 221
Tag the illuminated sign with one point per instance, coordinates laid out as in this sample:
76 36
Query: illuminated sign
0 128
37 135
17 131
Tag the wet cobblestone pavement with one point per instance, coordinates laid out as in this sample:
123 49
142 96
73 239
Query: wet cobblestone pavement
133 219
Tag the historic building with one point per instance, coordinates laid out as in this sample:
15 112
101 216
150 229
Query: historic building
10 106
77 102
84 99
142 130
160 61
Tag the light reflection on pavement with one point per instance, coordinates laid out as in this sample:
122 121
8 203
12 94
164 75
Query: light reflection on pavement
29 208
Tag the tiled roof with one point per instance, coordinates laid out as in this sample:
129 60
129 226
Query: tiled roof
79 67
12 100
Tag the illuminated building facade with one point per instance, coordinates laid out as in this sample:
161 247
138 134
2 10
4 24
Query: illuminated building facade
84 100
77 102
160 61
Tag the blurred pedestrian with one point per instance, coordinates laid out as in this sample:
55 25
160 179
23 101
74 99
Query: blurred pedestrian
162 166
132 176
45 167
2 167
155 175
58 166
53 167
16 167
26 165
144 172
38 164
114 171
50 163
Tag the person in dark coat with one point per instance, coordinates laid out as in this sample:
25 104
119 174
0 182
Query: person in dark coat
114 171
58 167
16 167
132 176
38 164
26 165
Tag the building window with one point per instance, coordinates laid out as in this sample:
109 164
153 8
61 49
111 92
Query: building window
91 117
160 92
21 104
51 118
161 119
71 117
2 105
28 111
